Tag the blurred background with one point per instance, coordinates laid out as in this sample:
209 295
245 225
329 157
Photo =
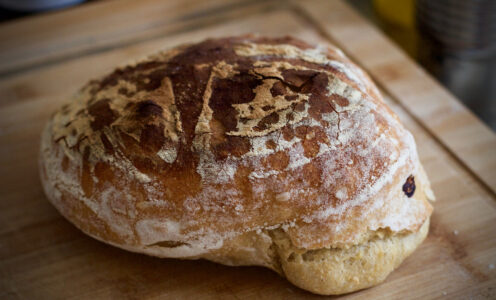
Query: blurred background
454 40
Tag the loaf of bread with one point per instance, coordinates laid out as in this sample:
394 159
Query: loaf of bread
244 151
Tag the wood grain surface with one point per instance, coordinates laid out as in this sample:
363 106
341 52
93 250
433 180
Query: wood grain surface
42 256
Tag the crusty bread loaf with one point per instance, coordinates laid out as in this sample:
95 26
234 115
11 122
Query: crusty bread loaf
244 151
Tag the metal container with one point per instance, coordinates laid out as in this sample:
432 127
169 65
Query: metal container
458 45
459 27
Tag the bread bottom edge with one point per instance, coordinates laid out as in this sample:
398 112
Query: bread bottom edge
321 271
341 271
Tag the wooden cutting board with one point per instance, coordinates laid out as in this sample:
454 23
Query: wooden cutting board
45 59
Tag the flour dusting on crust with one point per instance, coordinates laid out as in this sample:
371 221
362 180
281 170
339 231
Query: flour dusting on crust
200 144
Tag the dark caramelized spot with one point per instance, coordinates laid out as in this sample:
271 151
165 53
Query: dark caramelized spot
301 131
339 100
291 97
103 172
319 102
152 81
267 107
287 133
65 163
148 108
233 145
267 121
242 145
310 148
129 73
409 186
143 164
270 144
102 114
278 89
152 138
299 107
208 51
277 161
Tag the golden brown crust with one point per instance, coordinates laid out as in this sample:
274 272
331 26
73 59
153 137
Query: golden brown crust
343 270
200 145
